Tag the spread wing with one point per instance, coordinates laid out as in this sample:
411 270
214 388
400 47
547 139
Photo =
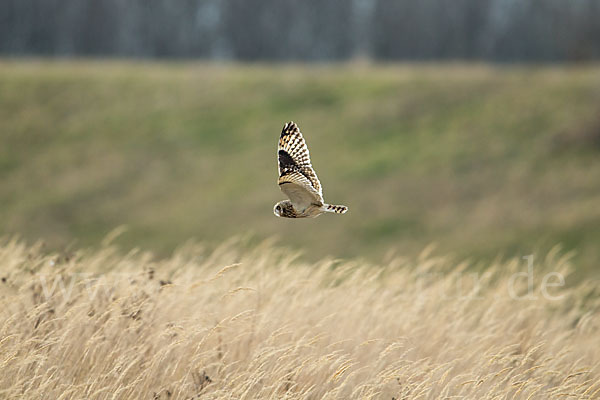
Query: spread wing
297 178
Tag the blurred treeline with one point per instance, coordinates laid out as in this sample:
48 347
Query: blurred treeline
494 30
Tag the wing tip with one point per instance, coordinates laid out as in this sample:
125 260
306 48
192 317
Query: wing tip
290 127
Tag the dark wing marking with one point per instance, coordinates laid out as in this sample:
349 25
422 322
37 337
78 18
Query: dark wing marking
286 163
293 156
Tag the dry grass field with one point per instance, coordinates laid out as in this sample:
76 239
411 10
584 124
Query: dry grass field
257 322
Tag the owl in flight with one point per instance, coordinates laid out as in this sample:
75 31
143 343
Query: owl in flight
298 180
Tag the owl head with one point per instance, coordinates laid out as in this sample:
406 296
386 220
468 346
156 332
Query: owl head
284 209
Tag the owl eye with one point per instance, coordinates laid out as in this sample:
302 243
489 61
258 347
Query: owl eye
278 208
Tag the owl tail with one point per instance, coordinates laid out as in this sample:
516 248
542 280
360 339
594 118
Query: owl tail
335 209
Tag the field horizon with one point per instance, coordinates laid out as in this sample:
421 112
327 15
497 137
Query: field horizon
481 160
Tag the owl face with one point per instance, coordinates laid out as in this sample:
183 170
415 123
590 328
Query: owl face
285 209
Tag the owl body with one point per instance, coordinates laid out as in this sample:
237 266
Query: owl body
298 180
286 209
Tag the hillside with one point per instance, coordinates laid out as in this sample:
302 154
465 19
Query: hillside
482 161
258 323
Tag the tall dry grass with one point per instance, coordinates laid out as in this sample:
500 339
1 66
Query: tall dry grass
259 323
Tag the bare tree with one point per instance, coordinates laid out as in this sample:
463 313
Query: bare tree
498 30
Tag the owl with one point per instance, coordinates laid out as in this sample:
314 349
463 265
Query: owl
298 180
